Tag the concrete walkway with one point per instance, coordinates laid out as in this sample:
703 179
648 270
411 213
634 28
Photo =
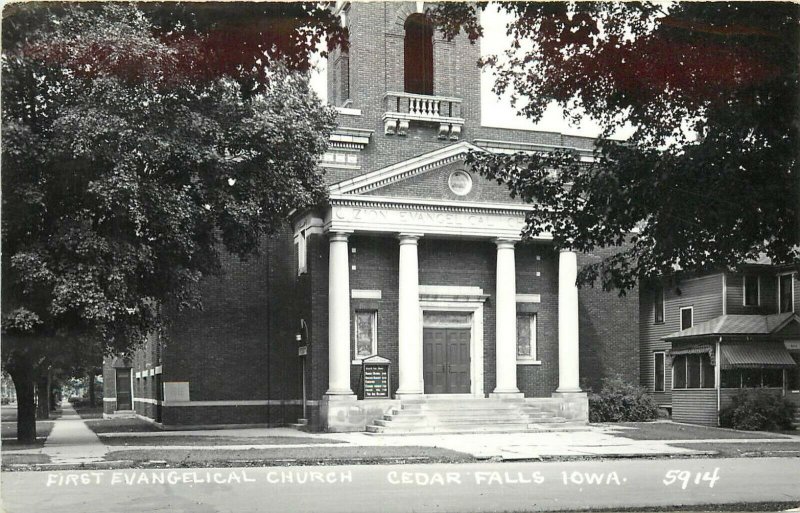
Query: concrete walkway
71 441
594 441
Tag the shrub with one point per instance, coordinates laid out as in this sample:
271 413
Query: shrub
619 401
757 410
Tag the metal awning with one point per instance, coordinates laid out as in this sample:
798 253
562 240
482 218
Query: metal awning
755 356
693 349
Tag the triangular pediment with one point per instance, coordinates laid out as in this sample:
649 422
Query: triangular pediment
437 175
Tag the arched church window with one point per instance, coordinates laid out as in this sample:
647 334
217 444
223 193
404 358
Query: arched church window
418 55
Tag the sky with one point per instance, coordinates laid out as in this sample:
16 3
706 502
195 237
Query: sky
496 111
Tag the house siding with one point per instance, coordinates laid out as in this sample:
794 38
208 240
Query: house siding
695 406
704 294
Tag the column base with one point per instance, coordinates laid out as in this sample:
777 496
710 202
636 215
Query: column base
339 413
574 405
507 395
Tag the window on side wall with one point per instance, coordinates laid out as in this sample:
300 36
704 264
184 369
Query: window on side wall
785 292
526 337
752 289
687 317
366 343
660 378
658 302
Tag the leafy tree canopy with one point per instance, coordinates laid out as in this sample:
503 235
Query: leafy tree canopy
133 153
709 178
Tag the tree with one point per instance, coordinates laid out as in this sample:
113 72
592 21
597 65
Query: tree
709 178
129 161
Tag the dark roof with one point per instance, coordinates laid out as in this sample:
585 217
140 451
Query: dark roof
737 325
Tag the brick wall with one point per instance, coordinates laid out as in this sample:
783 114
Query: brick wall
241 345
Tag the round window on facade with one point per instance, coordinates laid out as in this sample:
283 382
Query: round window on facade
460 182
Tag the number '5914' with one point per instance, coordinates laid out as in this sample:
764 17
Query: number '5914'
686 477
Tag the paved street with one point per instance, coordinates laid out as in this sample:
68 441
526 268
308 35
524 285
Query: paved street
488 487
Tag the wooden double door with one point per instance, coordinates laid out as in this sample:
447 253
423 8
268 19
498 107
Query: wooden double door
446 362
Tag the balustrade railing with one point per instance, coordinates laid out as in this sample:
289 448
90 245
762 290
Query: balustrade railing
423 106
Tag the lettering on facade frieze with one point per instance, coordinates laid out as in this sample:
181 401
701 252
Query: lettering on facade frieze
404 217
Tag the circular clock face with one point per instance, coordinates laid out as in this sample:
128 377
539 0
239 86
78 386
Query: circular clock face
460 182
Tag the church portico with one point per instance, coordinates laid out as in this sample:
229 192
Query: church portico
435 293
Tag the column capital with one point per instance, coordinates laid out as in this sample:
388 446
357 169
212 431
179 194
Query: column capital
567 250
505 242
339 236
409 238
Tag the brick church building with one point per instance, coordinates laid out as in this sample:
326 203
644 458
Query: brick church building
409 298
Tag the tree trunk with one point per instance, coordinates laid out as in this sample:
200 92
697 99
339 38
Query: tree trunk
43 396
22 374
92 397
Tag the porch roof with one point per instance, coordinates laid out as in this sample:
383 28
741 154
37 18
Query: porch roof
737 325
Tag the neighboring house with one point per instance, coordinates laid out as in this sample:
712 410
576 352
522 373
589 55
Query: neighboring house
703 338
415 259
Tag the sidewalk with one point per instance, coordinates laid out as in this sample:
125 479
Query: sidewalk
71 441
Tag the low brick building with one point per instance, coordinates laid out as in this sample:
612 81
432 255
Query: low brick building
414 265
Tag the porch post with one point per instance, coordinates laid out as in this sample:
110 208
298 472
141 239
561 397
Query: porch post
568 356
408 321
338 316
506 319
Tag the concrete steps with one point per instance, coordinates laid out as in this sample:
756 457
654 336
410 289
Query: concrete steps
468 414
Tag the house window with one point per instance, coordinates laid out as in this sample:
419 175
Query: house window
785 293
366 333
658 301
687 317
660 378
752 291
692 371
526 336
418 55
751 378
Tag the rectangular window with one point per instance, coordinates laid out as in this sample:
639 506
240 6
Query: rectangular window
730 378
751 378
679 372
366 333
687 317
693 371
785 300
752 294
772 378
526 336
301 252
658 302
659 382
707 371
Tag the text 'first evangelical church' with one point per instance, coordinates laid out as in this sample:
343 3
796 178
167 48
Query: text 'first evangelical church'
408 302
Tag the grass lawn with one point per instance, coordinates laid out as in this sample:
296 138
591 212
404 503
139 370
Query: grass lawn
121 426
672 431
9 434
289 456
749 449
25 459
89 412
215 440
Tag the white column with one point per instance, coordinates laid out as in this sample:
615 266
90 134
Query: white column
338 316
568 376
408 321
506 319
